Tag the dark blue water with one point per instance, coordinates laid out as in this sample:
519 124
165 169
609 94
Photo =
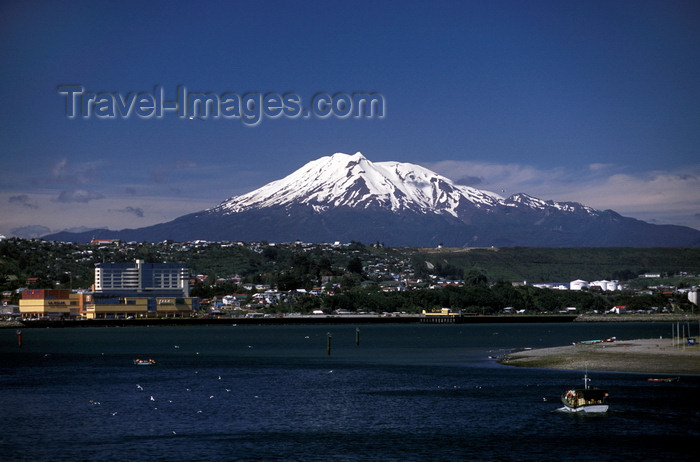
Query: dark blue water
407 392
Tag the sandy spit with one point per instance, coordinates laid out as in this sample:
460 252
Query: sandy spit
654 356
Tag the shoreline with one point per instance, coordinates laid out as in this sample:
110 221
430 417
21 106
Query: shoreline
351 319
652 356
288 320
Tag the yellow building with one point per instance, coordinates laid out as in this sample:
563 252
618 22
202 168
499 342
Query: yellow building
62 304
50 303
126 307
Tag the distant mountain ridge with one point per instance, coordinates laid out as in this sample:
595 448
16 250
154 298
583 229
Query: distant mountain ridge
348 197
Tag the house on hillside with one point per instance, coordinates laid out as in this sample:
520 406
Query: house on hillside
621 309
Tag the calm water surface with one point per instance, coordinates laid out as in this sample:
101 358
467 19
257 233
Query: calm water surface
407 392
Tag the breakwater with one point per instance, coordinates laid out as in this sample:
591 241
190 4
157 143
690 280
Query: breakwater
286 320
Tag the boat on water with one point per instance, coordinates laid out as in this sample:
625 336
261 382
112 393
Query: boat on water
664 379
144 362
585 400
591 342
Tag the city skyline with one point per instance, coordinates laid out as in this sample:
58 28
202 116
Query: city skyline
594 103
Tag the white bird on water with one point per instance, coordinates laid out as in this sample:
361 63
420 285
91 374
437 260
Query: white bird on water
152 398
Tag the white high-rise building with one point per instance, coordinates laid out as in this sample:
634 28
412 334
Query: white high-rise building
141 277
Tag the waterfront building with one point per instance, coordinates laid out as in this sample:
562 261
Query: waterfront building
121 291
50 303
111 306
140 290
141 277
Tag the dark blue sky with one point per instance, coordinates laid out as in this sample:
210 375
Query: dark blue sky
595 102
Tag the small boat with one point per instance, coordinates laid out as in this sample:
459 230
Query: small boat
144 362
585 400
665 379
592 342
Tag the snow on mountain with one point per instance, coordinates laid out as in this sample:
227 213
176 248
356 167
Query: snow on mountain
344 180
347 197
520 200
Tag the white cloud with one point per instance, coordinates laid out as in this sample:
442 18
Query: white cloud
78 195
62 172
508 178
22 199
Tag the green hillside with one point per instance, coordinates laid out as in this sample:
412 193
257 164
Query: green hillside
538 264
364 277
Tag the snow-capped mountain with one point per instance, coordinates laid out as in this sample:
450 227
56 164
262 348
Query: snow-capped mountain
348 197
343 180
353 181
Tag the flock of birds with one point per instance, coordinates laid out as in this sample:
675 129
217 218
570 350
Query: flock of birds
155 400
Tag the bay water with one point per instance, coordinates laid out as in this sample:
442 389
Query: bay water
328 392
